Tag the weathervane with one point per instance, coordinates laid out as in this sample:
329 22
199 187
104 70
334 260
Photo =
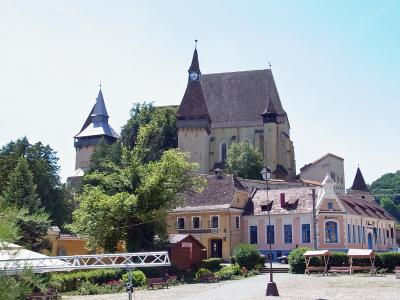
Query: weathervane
195 44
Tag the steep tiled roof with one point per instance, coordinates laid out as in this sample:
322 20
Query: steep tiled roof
239 98
301 195
359 182
96 124
193 105
218 192
354 204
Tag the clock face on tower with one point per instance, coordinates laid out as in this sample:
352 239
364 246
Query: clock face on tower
193 76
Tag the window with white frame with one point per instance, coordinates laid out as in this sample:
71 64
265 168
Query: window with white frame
214 222
180 222
237 222
196 222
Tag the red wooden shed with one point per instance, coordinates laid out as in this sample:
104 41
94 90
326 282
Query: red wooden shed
185 251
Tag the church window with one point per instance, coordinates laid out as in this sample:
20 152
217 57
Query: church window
223 151
261 144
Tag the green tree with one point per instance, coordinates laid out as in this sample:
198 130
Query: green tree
141 114
20 196
130 202
244 161
20 190
43 163
387 191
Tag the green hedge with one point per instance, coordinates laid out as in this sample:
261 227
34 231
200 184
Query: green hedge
213 264
297 263
388 260
247 256
65 282
138 278
385 260
200 272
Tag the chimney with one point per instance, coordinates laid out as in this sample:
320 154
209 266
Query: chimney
283 202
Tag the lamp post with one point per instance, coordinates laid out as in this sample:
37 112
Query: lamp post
272 289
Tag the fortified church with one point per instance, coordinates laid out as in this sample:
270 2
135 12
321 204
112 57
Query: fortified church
220 109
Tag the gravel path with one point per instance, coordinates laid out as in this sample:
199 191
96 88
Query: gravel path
290 287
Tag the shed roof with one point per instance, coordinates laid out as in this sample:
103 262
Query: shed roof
317 253
361 253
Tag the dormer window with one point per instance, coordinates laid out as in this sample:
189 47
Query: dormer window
330 205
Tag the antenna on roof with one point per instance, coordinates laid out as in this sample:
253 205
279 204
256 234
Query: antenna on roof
195 44
269 65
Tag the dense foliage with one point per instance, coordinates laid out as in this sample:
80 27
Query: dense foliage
42 163
65 282
28 223
297 263
387 191
213 264
129 202
138 278
244 161
247 256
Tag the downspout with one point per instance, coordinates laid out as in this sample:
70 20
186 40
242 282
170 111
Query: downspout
230 234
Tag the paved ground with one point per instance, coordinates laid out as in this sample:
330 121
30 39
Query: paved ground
290 287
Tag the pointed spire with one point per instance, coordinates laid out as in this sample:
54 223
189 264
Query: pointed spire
359 182
100 106
195 67
270 108
269 114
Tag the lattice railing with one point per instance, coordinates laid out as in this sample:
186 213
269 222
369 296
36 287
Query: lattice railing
80 262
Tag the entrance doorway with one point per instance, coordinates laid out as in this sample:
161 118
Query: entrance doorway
216 248
369 241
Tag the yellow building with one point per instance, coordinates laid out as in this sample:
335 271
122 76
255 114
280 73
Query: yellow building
213 216
220 109
65 244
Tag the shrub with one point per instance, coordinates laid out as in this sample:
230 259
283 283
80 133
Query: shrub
212 264
65 282
225 273
263 260
339 259
388 260
233 259
297 263
138 278
88 288
236 269
246 256
201 272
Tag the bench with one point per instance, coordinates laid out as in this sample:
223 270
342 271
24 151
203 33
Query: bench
208 277
334 269
152 282
362 268
314 269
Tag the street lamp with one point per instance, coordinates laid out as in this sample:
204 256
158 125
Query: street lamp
272 289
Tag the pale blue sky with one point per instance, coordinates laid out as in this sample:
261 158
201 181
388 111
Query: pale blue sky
336 65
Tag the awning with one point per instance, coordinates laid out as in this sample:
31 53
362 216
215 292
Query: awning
317 253
366 253
13 258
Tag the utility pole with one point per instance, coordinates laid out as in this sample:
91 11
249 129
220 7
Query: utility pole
314 213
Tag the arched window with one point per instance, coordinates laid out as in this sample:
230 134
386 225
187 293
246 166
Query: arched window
261 145
331 232
223 152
